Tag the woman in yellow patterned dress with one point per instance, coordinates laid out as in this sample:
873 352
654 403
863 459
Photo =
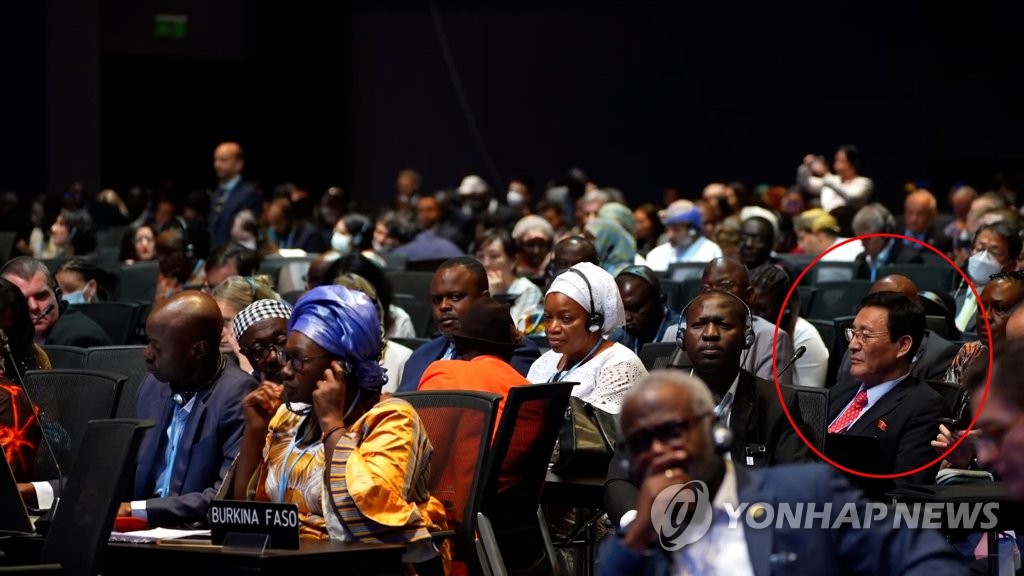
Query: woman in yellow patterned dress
356 463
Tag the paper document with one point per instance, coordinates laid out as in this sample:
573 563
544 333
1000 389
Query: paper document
154 534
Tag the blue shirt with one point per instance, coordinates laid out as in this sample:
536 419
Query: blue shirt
875 394
877 262
174 431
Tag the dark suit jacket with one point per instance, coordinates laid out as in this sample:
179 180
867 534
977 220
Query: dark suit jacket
757 421
910 413
899 254
934 235
524 357
242 197
306 237
209 444
74 328
933 359
781 549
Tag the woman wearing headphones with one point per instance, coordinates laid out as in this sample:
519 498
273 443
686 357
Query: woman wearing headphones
581 307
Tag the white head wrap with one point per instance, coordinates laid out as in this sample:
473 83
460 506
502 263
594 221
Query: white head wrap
756 211
532 222
605 292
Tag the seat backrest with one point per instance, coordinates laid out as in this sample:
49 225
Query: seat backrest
67 400
460 425
118 319
939 325
814 410
806 299
833 272
90 499
127 360
681 271
830 337
655 355
487 548
71 357
838 298
138 282
420 311
936 277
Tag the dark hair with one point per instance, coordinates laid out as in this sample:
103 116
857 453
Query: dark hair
361 229
906 317
475 268
657 227
852 155
197 234
127 251
106 282
398 227
285 205
774 281
81 232
245 260
545 205
1014 242
501 236
356 263
21 333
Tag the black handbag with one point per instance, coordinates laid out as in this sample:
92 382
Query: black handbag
586 440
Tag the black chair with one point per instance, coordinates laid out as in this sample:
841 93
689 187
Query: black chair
655 355
807 294
518 465
127 360
394 262
411 343
118 319
7 240
460 425
925 276
829 335
420 311
78 535
814 410
487 548
838 298
67 400
939 325
833 272
69 357
138 282
682 271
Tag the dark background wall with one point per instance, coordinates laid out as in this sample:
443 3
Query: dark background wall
640 95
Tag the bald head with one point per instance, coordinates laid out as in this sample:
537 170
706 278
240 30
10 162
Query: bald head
1015 325
228 161
573 250
728 275
184 340
896 283
193 316
919 211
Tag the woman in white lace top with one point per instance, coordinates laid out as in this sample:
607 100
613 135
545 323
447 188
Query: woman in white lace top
581 307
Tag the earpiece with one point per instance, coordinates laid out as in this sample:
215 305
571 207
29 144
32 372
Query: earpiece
595 319
748 331
185 237
721 437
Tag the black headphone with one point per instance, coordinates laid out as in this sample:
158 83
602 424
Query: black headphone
185 237
647 275
595 319
748 331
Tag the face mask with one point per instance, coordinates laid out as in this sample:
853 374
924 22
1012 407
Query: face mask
514 198
77 297
341 242
981 266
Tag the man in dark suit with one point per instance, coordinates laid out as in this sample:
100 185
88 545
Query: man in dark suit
457 283
668 424
54 324
287 232
884 400
935 353
232 194
879 252
919 211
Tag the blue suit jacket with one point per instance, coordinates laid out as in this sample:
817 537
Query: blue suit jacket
523 357
209 444
242 197
877 549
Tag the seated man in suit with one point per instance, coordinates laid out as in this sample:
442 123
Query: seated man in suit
935 353
731 276
457 283
717 334
55 323
883 399
919 211
668 422
647 315
879 251
195 397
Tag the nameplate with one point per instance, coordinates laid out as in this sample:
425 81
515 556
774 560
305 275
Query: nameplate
279 522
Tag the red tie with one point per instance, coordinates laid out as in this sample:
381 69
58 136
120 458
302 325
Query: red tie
850 415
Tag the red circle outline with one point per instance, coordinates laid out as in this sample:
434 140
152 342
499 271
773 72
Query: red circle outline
778 385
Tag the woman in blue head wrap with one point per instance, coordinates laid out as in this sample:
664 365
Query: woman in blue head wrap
354 461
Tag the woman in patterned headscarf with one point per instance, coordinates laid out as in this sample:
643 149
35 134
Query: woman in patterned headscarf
355 462
616 248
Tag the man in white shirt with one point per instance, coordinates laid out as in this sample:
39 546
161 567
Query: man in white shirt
843 187
817 231
686 243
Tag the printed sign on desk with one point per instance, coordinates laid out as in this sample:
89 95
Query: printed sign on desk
278 521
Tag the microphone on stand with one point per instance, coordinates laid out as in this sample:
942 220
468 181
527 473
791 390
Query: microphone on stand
44 520
797 354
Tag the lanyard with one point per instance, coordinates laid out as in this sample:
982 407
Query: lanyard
559 376
286 469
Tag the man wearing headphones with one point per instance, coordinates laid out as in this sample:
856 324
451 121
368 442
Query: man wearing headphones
181 251
683 225
647 316
878 252
55 323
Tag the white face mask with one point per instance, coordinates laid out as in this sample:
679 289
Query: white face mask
981 266
77 297
341 242
514 198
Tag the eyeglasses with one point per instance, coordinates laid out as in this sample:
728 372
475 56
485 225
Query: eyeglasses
260 351
723 285
672 431
299 362
864 335
993 434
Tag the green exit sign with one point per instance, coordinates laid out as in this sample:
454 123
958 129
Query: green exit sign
173 26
